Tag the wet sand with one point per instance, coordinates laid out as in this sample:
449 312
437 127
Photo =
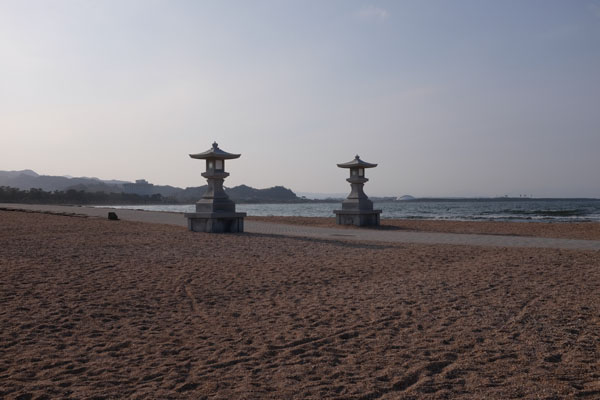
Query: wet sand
570 230
92 308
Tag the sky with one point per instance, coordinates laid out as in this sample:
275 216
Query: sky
450 98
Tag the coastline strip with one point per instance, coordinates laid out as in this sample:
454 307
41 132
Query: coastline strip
370 235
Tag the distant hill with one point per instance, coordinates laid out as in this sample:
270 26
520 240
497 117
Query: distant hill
28 179
14 174
96 187
190 194
405 198
242 194
278 194
143 187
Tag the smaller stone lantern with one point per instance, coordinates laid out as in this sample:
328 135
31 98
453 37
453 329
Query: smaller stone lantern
357 209
215 212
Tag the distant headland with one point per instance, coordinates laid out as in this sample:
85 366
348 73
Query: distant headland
29 186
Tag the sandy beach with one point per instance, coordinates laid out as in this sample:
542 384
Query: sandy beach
92 308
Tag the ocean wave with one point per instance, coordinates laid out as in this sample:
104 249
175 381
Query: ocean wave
578 212
523 211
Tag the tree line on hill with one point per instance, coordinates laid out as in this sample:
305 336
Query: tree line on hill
240 194
72 196
28 186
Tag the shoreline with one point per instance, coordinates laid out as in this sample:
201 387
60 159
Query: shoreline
543 210
550 230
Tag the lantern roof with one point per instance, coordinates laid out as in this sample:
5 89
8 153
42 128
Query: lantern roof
215 153
357 163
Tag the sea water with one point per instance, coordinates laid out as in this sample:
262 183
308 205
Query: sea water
550 210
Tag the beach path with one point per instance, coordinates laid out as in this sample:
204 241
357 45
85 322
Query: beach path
372 235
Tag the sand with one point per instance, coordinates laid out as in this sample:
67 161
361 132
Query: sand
93 308
566 230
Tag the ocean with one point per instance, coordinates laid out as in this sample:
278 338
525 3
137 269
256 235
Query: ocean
524 210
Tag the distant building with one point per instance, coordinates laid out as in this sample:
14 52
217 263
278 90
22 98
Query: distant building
141 187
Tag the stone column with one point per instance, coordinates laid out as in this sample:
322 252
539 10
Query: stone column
357 209
215 211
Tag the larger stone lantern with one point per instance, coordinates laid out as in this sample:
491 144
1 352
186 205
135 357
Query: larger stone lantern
215 212
357 209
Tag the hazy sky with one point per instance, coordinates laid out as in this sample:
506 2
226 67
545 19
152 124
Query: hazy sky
451 98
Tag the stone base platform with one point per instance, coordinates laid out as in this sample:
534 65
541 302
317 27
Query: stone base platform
216 222
357 217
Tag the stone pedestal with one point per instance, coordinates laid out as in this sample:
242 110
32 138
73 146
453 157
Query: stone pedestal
215 212
357 217
216 222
